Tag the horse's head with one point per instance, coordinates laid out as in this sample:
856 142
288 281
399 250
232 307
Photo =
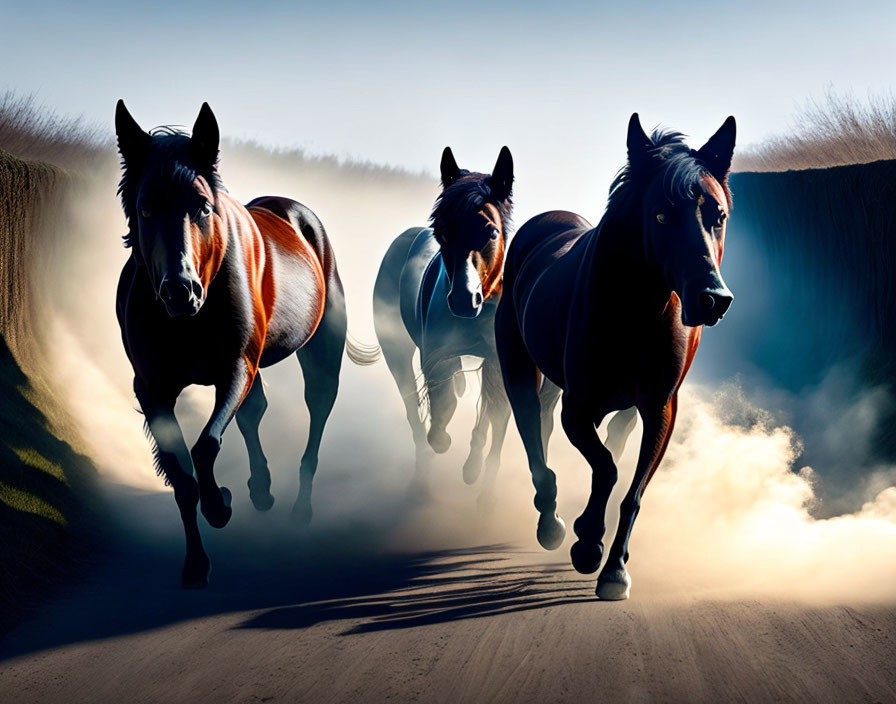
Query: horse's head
470 221
686 202
169 192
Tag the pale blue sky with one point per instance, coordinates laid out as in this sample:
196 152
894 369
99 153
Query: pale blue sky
396 82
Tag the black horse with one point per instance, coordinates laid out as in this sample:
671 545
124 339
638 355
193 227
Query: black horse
213 290
613 315
437 290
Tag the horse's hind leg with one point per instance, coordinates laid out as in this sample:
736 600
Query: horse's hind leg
473 464
579 424
398 351
321 360
175 462
548 396
499 416
248 418
521 383
619 429
614 581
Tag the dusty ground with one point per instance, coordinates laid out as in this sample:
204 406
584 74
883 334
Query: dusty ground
337 618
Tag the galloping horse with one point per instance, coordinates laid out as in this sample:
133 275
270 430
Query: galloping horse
613 316
212 291
437 290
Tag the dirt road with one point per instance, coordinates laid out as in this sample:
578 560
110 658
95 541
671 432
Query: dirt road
334 618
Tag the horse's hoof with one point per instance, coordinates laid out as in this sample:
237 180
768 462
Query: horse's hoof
262 501
472 469
439 440
301 514
218 511
551 531
614 586
261 496
195 575
586 558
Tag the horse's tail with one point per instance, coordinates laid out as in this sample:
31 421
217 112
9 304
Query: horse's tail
361 354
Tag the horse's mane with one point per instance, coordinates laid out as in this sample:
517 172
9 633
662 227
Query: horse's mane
835 131
168 154
468 194
670 157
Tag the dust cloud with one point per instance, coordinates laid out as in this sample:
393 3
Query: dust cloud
727 514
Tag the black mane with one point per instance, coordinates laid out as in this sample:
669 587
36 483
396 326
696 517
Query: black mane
168 156
469 194
670 157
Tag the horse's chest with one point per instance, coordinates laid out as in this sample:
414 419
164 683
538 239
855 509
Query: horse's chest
178 352
624 365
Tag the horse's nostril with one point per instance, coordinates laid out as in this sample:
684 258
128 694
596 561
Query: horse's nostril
179 291
165 291
707 300
477 299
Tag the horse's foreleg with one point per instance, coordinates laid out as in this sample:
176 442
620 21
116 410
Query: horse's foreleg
579 424
215 501
521 383
619 429
175 462
321 360
614 581
248 418
442 401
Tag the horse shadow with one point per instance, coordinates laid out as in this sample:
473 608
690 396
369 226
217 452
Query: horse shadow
478 585
271 577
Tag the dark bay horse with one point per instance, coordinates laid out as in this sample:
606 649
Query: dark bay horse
212 291
613 316
437 290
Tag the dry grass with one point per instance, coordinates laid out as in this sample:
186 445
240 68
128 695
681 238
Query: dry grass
295 159
31 131
833 131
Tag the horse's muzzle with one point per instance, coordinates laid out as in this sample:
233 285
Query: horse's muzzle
465 304
710 308
181 296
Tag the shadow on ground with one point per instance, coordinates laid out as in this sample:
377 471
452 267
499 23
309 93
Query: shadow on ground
262 565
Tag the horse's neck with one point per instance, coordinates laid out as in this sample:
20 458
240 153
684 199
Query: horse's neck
619 274
236 224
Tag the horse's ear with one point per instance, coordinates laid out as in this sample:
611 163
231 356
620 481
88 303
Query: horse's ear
717 152
637 140
205 139
132 140
501 179
448 167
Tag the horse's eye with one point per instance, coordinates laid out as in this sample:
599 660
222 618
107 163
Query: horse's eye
206 209
661 218
145 213
495 233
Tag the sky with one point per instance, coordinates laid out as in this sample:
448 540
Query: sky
394 82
